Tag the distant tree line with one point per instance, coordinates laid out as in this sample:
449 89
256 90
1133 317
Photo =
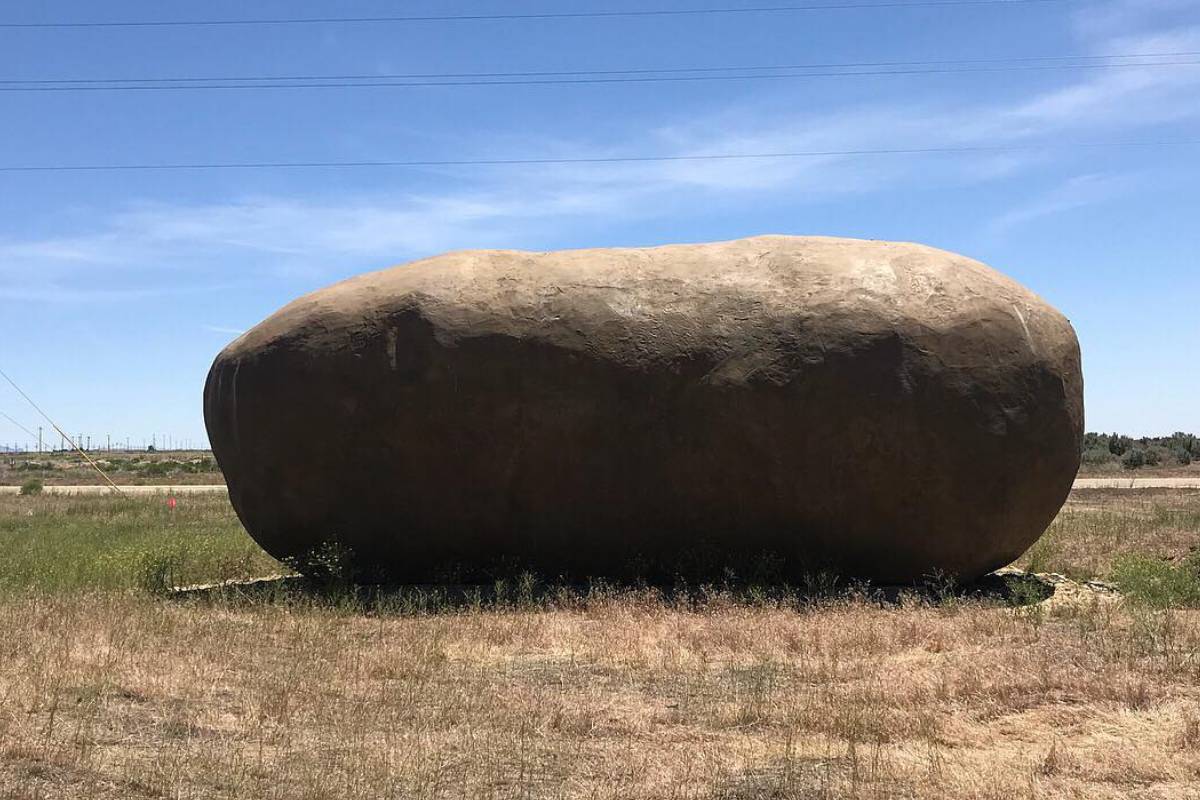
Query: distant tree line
1100 449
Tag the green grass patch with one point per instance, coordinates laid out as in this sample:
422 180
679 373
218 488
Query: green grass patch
1159 583
57 543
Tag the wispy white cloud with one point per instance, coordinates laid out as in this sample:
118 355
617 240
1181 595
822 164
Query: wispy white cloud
147 244
220 329
274 226
1109 19
1078 192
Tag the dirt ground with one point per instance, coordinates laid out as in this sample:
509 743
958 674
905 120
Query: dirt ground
1117 471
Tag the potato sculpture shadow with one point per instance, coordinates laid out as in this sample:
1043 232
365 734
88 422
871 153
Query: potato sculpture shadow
881 409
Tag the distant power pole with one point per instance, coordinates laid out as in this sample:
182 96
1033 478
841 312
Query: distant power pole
39 439
108 442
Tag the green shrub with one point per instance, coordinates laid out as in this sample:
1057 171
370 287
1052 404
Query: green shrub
31 487
1158 583
330 563
1134 459
1180 447
1097 456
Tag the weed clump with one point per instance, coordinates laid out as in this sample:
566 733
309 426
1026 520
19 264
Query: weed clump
1157 583
157 572
31 487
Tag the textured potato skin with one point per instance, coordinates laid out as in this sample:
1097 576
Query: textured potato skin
884 410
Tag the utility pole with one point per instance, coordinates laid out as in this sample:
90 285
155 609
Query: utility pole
39 439
108 445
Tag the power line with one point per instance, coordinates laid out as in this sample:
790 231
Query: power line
656 12
166 84
19 425
62 433
501 162
586 72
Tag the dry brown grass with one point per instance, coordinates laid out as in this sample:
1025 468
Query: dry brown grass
625 696
1099 526
108 692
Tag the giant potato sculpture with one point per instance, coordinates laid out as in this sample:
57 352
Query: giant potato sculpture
880 409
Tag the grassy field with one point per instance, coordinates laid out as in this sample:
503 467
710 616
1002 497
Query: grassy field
1103 533
108 689
199 467
132 468
57 544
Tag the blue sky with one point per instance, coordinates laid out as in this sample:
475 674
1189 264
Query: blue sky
117 289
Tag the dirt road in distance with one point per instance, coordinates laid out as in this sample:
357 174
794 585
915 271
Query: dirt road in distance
138 491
